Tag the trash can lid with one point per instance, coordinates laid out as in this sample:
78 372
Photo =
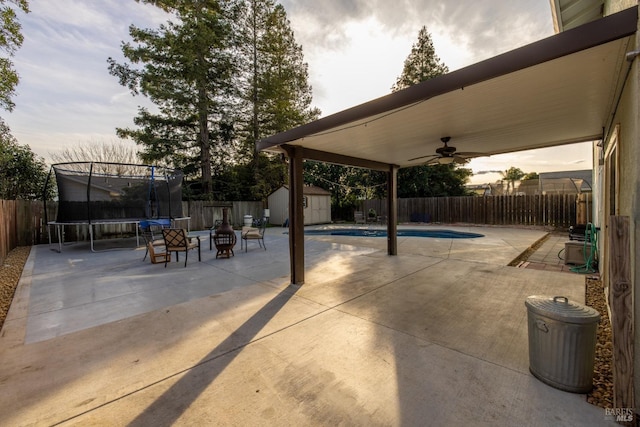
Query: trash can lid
560 308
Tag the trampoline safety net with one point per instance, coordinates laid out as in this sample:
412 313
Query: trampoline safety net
98 191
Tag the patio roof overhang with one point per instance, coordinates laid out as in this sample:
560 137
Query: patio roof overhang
556 91
560 90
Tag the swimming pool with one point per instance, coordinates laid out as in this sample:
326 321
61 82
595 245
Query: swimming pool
362 232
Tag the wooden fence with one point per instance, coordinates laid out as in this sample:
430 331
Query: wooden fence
553 210
203 214
22 223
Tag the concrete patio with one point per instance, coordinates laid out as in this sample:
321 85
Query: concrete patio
434 336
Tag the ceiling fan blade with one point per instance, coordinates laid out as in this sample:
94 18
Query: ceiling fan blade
460 160
434 161
423 157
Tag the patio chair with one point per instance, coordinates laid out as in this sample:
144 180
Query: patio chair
359 218
176 240
157 257
152 236
254 233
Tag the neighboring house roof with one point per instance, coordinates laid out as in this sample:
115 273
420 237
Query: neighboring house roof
552 186
585 175
479 189
563 182
476 105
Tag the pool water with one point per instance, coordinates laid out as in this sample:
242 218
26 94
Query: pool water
361 232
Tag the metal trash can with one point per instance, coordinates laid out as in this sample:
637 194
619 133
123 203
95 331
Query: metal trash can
562 342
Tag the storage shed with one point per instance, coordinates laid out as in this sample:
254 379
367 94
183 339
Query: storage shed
316 202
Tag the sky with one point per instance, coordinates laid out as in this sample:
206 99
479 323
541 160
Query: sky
355 50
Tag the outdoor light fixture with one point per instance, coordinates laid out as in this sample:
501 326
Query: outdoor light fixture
445 160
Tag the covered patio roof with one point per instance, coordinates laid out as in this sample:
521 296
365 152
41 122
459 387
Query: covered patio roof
559 90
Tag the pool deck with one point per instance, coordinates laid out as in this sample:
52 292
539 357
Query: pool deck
434 336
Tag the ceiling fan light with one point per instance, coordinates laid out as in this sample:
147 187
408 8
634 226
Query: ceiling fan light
445 160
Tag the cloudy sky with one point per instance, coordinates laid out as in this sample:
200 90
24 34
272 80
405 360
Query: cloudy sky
355 50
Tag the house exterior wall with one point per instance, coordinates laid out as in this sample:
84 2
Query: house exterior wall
613 6
627 181
630 196
77 191
625 178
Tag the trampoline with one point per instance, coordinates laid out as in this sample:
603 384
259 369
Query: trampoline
95 194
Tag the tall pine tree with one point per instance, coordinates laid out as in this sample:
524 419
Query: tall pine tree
437 180
277 91
282 92
223 75
186 69
421 64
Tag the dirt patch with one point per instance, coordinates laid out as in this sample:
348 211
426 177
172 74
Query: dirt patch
602 393
10 272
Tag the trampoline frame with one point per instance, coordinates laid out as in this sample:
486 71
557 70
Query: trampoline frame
91 223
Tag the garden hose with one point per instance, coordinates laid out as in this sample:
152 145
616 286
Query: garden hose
590 237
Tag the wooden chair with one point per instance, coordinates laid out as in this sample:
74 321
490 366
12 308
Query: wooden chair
157 257
152 236
176 240
254 233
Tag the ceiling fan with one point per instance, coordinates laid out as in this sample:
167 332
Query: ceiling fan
447 154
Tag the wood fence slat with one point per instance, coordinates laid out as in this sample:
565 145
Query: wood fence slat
5 245
621 301
492 206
